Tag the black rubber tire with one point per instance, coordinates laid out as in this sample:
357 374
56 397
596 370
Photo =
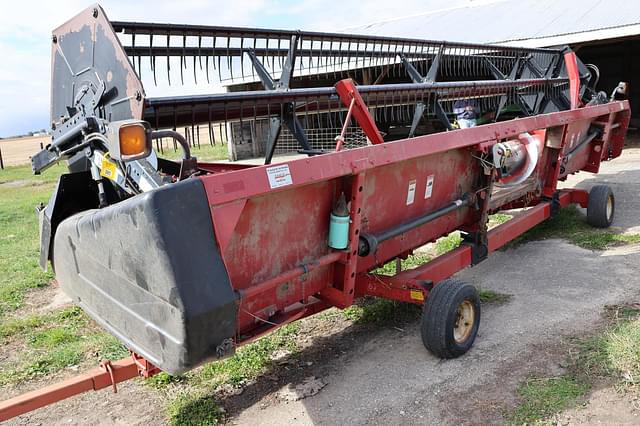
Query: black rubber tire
440 315
599 214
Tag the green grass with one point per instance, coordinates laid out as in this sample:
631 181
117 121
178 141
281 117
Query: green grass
448 243
543 397
24 173
206 152
498 219
194 409
53 342
197 405
615 352
56 349
612 353
70 317
13 326
372 310
53 338
572 226
412 261
20 193
250 360
490 296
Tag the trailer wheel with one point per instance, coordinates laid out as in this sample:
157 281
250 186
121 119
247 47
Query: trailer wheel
450 318
601 207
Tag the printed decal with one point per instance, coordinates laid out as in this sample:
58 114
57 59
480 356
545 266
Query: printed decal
279 176
429 189
411 192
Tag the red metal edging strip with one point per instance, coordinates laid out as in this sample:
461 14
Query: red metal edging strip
571 64
107 375
254 181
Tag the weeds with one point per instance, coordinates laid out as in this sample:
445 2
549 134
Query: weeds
55 341
612 353
571 225
543 397
371 310
194 409
198 406
490 296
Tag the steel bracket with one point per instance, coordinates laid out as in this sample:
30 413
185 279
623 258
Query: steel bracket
431 77
288 112
478 243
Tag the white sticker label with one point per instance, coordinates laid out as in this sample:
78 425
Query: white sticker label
429 189
279 176
411 192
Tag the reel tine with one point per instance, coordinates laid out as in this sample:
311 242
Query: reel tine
333 59
212 138
195 77
213 53
241 123
300 42
168 60
229 61
321 57
133 56
200 51
310 54
193 119
226 123
219 67
253 71
183 61
152 59
242 55
206 64
279 55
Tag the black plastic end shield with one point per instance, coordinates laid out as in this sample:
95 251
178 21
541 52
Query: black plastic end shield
148 270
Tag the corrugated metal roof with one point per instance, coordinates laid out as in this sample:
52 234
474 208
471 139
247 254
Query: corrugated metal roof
510 21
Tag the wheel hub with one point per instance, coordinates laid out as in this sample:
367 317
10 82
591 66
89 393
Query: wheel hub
465 319
609 208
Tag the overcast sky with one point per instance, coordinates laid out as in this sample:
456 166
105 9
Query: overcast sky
25 33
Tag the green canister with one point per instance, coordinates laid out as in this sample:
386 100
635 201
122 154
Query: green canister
339 225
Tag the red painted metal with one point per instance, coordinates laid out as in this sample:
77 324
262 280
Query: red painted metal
299 271
571 64
108 374
271 222
273 236
347 91
251 182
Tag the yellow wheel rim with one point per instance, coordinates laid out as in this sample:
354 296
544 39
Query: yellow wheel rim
465 319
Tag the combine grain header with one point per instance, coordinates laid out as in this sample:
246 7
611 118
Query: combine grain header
184 260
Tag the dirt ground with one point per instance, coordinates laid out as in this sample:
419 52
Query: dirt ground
605 406
385 376
18 151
